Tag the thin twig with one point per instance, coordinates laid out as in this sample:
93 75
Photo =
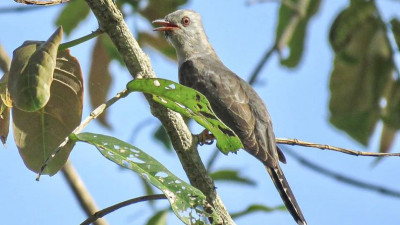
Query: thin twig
80 40
342 178
261 64
333 148
93 115
45 3
81 193
299 11
112 208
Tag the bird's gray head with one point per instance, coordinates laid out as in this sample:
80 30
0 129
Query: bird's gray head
185 31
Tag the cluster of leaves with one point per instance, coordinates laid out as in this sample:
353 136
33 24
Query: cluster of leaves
364 82
44 87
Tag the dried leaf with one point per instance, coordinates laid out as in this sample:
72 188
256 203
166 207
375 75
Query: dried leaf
100 78
38 134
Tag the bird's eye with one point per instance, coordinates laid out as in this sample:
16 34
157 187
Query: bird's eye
185 21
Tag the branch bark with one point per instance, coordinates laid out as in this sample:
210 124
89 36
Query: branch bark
112 22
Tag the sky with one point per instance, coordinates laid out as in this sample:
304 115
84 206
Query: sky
297 100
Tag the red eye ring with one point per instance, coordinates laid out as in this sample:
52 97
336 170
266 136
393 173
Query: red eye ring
185 21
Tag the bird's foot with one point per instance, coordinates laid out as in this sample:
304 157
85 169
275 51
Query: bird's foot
206 137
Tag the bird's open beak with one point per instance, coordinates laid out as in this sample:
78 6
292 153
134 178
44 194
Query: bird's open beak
165 25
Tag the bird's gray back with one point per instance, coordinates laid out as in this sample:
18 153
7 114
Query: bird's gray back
235 102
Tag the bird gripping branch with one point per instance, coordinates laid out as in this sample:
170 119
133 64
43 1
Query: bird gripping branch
233 100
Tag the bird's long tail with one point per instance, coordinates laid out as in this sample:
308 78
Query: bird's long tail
286 194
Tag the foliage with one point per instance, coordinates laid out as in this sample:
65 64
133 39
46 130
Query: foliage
188 203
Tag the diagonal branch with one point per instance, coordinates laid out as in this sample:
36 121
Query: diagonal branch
343 178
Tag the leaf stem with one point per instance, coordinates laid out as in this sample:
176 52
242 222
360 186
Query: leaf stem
93 115
80 40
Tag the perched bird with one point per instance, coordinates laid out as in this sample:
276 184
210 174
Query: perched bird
232 99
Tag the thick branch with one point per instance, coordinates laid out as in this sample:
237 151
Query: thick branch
111 22
82 194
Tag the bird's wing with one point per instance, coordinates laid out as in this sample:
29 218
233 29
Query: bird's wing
235 103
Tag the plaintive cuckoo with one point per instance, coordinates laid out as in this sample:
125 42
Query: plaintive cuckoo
232 99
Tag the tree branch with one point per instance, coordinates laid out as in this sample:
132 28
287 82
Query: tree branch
112 22
81 193
46 3
342 178
103 212
333 148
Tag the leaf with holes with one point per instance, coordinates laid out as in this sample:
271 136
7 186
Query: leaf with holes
31 72
38 134
187 202
189 103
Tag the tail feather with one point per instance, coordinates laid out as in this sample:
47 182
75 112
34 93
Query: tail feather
286 193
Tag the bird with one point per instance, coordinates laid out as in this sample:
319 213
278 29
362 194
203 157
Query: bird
232 99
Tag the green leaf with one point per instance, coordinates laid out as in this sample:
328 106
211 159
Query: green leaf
363 65
100 78
160 218
296 41
257 208
396 31
72 14
37 134
188 203
391 113
189 103
232 176
31 72
161 135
